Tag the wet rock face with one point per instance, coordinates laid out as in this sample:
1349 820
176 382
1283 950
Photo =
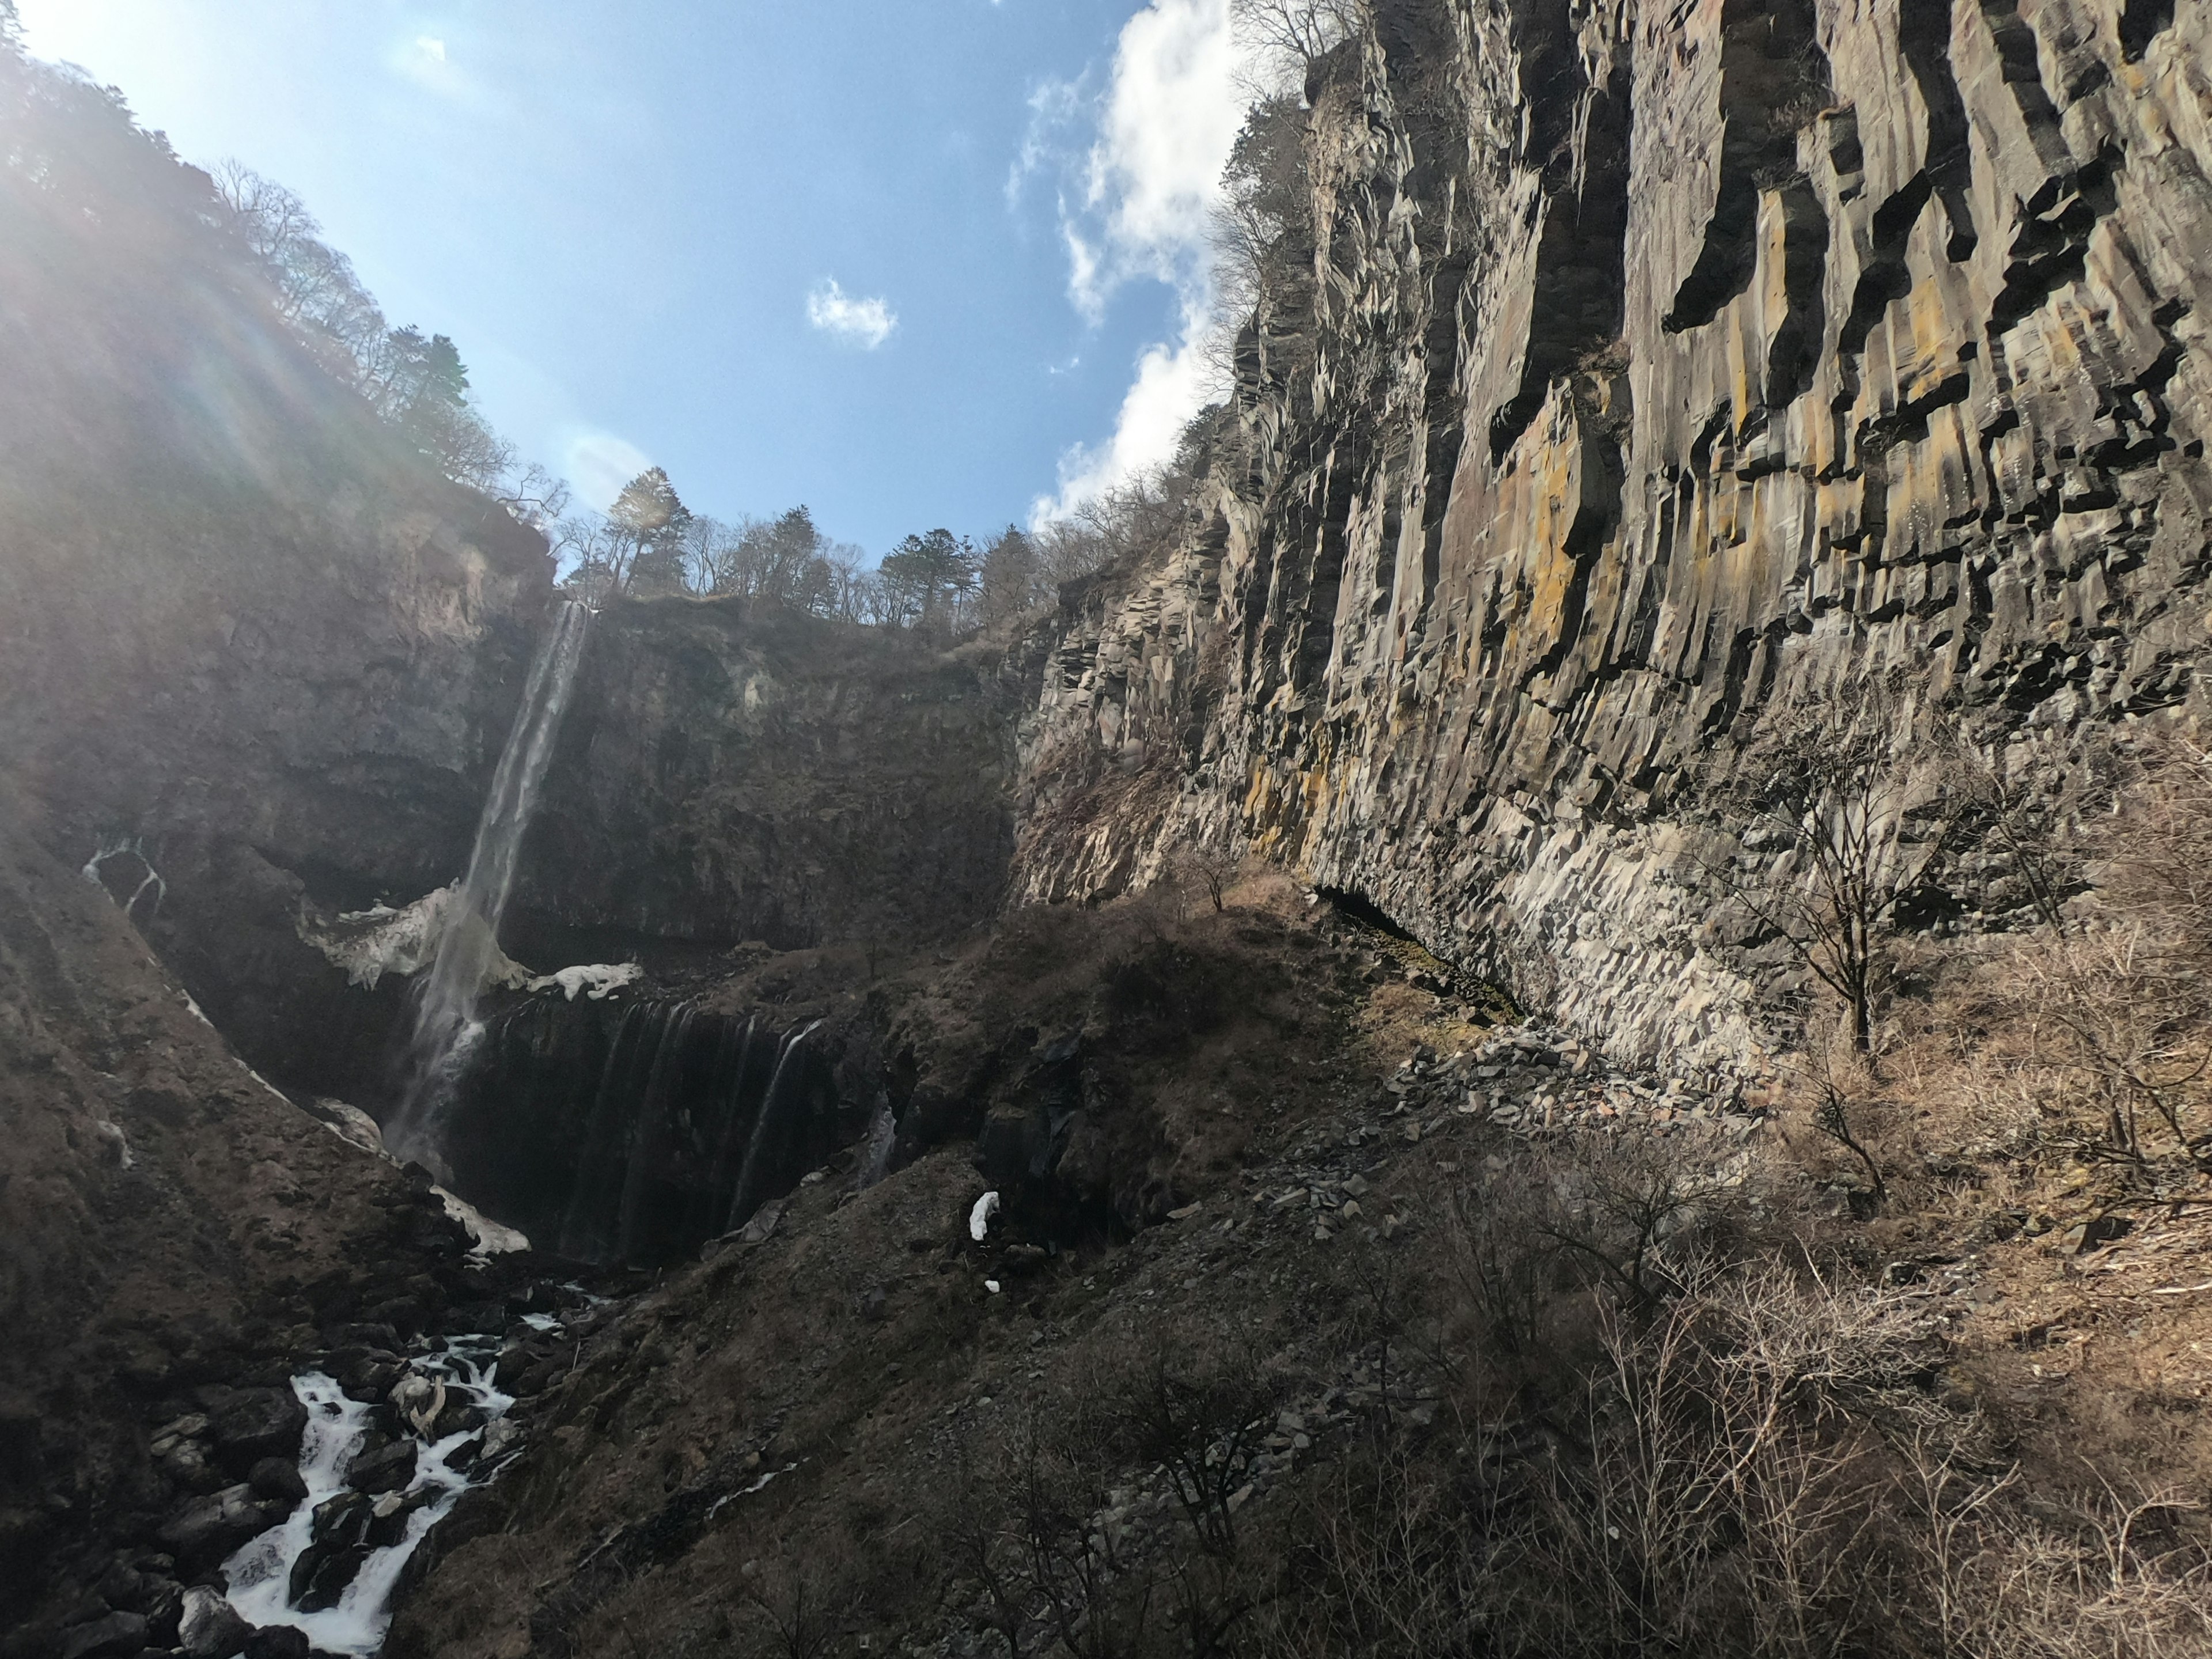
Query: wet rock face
634 1132
1668 364
728 772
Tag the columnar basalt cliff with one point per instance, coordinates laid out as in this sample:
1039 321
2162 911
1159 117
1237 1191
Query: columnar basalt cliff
1663 364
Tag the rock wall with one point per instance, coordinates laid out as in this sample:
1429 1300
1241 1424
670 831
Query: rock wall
729 773
249 640
1665 362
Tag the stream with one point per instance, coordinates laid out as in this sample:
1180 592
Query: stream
338 1534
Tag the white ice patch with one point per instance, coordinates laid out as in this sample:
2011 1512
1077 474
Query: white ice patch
492 1237
149 881
379 941
349 1123
595 980
979 1218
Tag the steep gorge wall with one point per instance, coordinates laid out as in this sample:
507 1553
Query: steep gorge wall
730 772
1667 362
252 643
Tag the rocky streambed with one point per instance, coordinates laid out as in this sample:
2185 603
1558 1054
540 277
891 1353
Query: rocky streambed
311 1499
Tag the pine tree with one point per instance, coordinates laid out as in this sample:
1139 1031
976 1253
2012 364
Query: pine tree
929 573
652 518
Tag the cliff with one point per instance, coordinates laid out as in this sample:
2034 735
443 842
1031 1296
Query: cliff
1663 365
730 772
257 648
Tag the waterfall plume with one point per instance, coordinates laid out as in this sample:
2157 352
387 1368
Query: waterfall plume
445 999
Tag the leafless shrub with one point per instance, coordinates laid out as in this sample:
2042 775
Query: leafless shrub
1840 1082
1630 1211
1997 1582
802 1615
1203 867
1196 1408
1858 814
2117 983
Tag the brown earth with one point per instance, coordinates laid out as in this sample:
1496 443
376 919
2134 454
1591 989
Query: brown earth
170 1221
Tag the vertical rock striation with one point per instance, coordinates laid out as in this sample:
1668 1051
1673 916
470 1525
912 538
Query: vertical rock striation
1666 360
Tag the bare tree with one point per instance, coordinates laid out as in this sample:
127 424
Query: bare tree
1290 37
1856 814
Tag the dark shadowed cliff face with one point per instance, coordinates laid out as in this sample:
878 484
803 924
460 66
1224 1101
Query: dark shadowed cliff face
1667 363
727 773
246 633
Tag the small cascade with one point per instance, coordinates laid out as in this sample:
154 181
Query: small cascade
771 1129
329 1569
624 1133
468 948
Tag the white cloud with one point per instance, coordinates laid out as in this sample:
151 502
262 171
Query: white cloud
1173 111
598 465
425 60
864 322
1173 382
1055 106
1140 208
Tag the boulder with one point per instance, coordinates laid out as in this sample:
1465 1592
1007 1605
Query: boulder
277 1642
209 1627
337 1547
118 1636
251 1423
278 1480
385 1468
208 1528
389 1515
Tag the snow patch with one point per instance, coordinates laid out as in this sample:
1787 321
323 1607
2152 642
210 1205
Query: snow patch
491 1236
979 1218
595 980
348 1122
379 941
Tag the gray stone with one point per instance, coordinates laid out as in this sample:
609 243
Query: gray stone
209 1627
118 1636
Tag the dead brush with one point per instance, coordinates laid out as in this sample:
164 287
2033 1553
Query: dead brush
2115 1577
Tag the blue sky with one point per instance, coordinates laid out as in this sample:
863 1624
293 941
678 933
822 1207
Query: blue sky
910 262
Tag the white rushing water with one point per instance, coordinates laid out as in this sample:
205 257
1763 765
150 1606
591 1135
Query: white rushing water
446 1028
258 1576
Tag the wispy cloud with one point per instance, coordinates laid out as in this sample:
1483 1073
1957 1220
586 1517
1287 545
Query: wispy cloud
1056 110
1140 205
864 322
428 61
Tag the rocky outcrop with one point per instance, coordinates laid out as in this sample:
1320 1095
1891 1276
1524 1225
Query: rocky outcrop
1668 364
258 653
729 773
174 1227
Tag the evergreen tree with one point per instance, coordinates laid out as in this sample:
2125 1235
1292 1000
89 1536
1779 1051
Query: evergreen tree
1010 577
652 518
929 573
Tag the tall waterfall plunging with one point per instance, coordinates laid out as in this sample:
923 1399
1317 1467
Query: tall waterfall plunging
468 947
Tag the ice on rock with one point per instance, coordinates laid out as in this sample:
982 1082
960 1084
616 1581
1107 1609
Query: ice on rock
595 980
979 1218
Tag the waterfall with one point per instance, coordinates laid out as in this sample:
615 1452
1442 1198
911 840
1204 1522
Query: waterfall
467 949
739 1209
